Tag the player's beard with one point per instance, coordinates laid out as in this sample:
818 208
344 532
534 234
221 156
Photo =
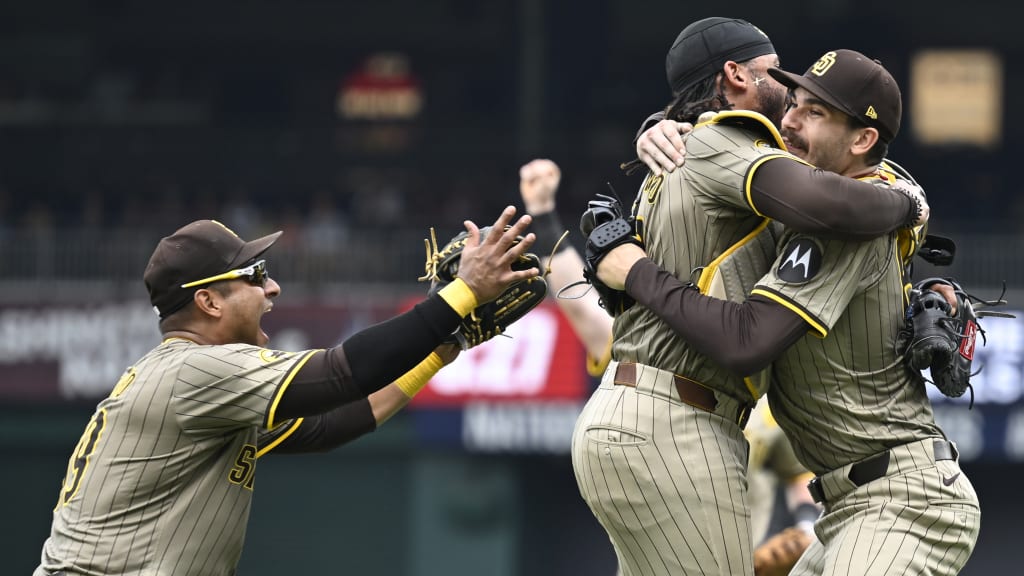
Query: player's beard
771 100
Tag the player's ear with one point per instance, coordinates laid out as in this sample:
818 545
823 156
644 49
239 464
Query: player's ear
864 139
733 74
209 302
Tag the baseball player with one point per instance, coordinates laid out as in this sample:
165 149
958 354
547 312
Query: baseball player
771 462
161 481
827 315
658 451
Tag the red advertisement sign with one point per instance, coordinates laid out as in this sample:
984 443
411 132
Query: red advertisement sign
538 358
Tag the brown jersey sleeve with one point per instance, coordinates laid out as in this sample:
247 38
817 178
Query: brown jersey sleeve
814 201
742 337
323 432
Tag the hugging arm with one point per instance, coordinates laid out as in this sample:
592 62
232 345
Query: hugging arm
825 204
743 338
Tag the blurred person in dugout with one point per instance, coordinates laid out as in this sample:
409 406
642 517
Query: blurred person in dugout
773 469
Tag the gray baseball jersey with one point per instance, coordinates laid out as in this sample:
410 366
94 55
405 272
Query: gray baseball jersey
842 392
162 478
692 220
667 479
848 403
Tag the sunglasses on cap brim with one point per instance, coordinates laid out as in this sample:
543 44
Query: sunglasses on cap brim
255 274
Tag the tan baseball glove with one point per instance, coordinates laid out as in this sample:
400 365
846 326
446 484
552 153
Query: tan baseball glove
778 554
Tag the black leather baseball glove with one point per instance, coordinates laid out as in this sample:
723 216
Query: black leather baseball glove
934 338
605 225
492 318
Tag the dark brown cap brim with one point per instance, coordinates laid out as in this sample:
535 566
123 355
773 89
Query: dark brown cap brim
254 248
793 81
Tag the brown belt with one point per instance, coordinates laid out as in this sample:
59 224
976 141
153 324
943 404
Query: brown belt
690 392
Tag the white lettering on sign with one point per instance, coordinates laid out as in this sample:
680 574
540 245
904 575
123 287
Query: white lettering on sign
520 427
92 346
514 364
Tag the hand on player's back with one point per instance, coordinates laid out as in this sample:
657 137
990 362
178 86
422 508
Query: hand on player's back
661 147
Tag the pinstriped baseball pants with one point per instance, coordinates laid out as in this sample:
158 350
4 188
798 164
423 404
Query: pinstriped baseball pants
922 517
666 480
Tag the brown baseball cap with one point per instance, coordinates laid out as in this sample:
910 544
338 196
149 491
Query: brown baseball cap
855 84
195 251
702 48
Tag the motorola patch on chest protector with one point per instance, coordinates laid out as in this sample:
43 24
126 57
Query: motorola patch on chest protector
801 261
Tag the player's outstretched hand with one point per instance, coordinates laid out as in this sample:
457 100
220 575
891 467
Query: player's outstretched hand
661 147
486 266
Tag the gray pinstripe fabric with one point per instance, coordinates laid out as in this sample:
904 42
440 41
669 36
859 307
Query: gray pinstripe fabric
690 219
908 522
167 482
666 480
847 397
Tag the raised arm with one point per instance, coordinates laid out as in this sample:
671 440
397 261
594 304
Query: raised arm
538 185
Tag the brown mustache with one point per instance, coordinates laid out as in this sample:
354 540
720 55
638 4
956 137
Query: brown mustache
794 140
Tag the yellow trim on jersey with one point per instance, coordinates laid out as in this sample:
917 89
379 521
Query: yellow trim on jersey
708 273
284 386
820 331
295 426
749 179
597 366
751 387
736 117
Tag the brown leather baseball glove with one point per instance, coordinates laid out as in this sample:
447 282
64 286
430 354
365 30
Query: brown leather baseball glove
778 554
